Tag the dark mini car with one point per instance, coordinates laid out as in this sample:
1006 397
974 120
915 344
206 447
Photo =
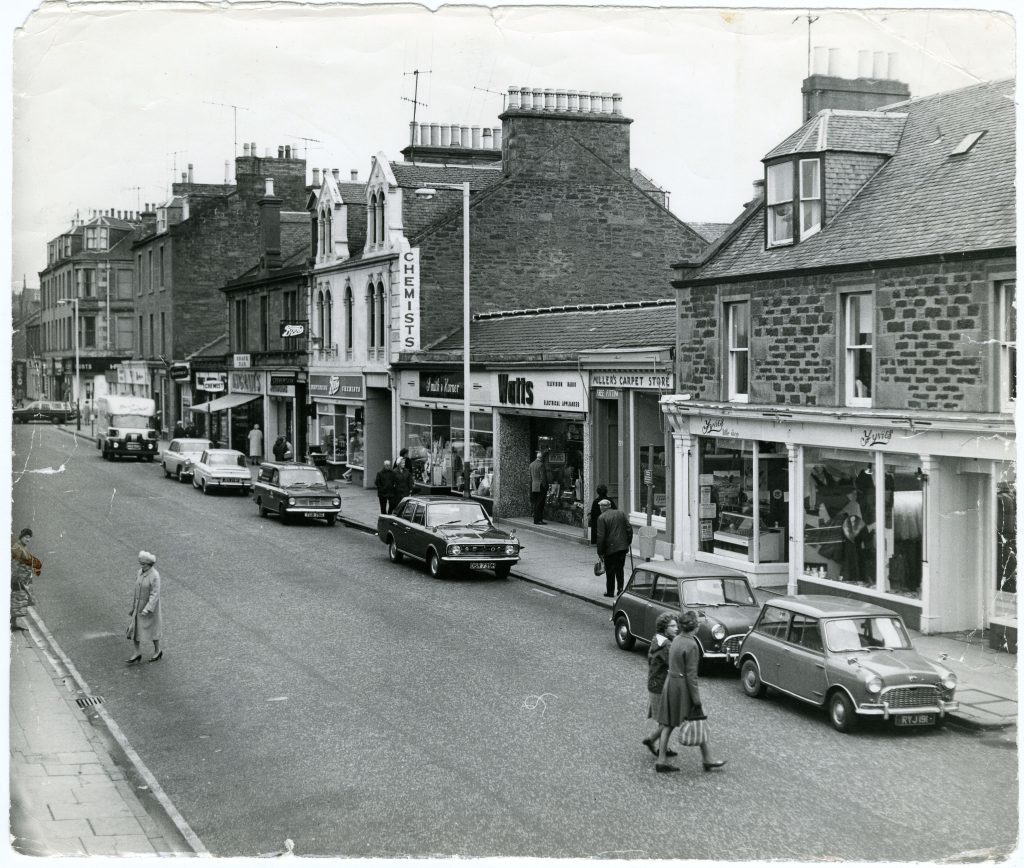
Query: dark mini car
853 658
56 412
294 490
722 600
447 532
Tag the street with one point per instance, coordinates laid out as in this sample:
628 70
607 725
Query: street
310 690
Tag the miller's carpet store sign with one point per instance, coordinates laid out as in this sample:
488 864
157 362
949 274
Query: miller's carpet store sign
632 380
549 390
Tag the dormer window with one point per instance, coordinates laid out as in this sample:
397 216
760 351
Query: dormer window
793 187
161 219
95 237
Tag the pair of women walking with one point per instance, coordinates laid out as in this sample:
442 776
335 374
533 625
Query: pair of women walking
672 684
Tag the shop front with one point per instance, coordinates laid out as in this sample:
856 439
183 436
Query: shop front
281 411
207 386
338 438
918 516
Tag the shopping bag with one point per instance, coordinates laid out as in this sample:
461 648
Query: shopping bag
693 732
599 567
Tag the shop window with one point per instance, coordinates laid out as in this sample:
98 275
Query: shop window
435 438
331 424
356 443
480 472
858 346
743 492
648 454
561 444
1006 327
737 317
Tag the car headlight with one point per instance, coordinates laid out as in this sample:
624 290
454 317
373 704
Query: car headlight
718 632
510 549
874 684
291 501
949 681
335 502
455 550
188 464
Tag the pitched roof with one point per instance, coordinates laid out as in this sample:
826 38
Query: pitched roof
922 202
425 174
570 330
836 130
709 231
644 183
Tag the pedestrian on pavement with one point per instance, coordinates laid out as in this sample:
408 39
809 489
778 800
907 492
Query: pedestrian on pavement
280 448
179 429
145 621
255 444
595 510
680 698
384 482
666 628
403 481
614 537
538 487
24 568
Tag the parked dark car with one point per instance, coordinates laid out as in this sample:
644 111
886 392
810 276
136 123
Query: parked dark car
294 490
56 412
853 658
722 599
445 533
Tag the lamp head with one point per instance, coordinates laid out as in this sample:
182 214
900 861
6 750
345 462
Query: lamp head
426 192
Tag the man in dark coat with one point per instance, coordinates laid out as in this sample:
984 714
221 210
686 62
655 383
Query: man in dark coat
614 537
385 483
538 487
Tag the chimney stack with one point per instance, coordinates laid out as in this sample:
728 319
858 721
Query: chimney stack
270 226
316 177
190 173
335 173
873 87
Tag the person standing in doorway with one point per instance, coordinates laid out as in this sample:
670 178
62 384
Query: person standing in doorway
538 487
595 510
255 445
385 484
145 620
614 537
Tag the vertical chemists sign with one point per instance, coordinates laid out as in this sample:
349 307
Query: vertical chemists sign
409 318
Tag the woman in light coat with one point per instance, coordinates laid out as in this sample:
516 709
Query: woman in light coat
145 621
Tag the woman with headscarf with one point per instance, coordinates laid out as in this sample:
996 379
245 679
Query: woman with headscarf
680 699
666 628
24 567
145 621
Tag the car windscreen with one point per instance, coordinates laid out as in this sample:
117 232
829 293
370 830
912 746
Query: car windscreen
220 459
455 513
716 592
302 476
857 634
126 420
193 445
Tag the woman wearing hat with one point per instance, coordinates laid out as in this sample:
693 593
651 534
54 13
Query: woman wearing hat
680 698
666 628
145 621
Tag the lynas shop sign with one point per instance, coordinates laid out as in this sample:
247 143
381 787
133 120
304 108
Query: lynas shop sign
409 329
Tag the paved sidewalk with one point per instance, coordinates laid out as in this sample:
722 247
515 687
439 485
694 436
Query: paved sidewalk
561 559
69 797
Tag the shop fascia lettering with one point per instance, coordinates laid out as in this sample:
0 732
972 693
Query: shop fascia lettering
625 380
555 390
410 326
247 381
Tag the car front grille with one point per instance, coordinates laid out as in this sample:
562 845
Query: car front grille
899 698
731 645
481 549
319 502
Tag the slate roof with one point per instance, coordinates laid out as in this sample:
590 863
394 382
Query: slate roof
837 130
923 202
709 231
645 183
567 331
425 174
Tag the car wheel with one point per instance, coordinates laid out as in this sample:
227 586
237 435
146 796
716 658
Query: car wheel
394 555
841 712
434 564
623 638
750 679
167 473
502 571
195 483
262 509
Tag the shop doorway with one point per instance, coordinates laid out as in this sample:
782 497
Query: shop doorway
560 441
606 446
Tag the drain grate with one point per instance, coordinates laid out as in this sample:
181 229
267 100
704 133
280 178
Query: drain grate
86 701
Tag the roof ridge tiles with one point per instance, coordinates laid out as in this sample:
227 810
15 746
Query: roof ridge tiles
597 307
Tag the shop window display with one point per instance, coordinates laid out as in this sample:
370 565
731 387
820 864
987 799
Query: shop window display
341 434
434 439
743 499
844 523
561 443
648 444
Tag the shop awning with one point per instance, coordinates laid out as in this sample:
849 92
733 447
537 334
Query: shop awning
224 403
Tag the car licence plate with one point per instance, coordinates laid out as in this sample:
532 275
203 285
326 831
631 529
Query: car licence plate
315 515
482 565
915 719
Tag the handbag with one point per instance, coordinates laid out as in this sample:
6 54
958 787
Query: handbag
599 567
693 732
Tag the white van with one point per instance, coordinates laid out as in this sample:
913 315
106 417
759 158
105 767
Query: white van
125 423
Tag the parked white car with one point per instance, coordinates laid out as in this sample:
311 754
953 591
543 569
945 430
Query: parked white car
224 469
181 455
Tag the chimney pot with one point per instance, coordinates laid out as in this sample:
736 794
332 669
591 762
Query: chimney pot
252 149
549 99
488 141
476 137
513 96
190 173
893 69
819 65
606 103
354 174
584 101
280 152
573 100
245 149
561 100
435 135
497 138
617 104
879 64
863 65
526 98
335 173
466 142
538 99
316 177
268 186
456 136
758 189
413 133
184 177
446 136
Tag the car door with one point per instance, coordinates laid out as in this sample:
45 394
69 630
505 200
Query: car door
771 628
664 598
202 468
172 458
635 600
802 672
414 531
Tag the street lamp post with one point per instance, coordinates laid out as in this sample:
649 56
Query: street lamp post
78 368
428 192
